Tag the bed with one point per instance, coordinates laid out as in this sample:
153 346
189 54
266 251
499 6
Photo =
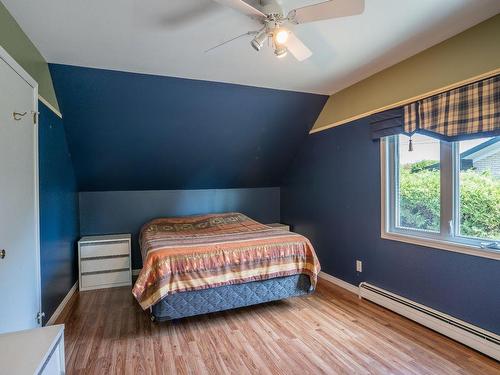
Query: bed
207 263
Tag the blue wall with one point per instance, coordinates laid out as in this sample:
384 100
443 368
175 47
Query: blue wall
130 131
142 144
140 132
127 211
59 225
332 195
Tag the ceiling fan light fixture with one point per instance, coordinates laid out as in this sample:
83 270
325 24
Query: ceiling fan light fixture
280 51
281 36
259 40
269 14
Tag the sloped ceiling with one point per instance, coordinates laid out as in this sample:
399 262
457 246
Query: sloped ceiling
129 131
170 37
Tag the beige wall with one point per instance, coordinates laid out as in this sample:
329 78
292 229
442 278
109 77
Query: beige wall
20 47
463 57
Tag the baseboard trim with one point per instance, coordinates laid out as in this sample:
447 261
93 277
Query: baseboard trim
468 334
62 305
343 284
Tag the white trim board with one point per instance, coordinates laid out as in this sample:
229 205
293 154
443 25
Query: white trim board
49 106
62 305
343 284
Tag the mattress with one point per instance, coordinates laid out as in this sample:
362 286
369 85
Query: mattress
194 253
184 304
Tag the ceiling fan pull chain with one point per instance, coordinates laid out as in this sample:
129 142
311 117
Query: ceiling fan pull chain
230 40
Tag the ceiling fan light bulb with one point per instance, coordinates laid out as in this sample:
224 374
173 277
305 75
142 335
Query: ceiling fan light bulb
281 36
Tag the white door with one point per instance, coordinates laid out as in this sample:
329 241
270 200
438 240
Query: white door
19 238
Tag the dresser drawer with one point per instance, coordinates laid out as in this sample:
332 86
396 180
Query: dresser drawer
105 264
108 279
104 261
91 250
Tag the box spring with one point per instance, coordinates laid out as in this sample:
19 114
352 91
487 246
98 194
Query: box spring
184 304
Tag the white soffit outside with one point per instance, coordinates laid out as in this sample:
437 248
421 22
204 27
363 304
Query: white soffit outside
169 37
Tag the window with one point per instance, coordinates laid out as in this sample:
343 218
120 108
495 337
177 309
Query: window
442 194
417 184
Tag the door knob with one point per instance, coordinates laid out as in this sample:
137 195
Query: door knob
2 254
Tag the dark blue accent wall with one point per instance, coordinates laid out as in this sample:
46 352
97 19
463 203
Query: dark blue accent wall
130 131
332 195
127 211
59 218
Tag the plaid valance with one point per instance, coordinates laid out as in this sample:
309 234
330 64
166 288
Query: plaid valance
466 112
384 124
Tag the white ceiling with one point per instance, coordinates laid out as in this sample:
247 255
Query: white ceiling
169 37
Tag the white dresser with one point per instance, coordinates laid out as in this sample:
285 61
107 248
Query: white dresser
104 261
38 351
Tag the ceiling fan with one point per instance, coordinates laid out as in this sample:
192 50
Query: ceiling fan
276 27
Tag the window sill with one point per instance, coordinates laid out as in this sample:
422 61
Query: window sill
442 245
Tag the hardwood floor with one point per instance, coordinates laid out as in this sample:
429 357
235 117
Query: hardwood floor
329 332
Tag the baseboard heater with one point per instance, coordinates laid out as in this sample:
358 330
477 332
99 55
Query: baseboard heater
483 341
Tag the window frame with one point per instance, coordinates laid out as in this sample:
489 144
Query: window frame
448 237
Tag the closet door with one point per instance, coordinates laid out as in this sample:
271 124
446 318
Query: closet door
19 237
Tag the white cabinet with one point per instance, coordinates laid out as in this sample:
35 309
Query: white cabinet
104 261
34 351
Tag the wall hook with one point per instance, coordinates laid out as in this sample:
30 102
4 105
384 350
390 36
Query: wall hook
18 116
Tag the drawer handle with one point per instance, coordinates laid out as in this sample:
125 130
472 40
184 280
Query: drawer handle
104 243
105 257
106 271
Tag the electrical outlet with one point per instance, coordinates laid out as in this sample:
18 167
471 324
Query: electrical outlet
359 266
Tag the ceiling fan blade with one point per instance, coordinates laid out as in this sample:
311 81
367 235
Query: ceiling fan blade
242 7
298 49
327 10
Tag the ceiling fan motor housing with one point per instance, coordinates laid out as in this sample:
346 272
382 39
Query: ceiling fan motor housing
271 8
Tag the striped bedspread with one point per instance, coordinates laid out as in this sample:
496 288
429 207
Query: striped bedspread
198 252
